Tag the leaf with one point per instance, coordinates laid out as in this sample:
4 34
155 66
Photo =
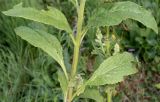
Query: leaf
111 14
113 69
79 91
157 86
43 40
63 82
52 16
92 94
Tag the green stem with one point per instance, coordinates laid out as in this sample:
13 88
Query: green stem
78 38
80 19
76 47
77 5
75 60
107 42
109 96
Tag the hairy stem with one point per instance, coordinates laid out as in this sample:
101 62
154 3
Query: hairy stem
76 47
75 60
78 38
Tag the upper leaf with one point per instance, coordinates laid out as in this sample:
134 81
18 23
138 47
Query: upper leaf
52 16
111 14
43 40
113 69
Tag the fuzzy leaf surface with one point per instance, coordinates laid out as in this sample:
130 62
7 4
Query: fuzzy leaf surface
111 14
113 69
41 39
52 16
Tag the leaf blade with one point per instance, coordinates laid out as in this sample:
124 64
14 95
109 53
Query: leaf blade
41 39
52 16
92 94
114 14
63 83
113 69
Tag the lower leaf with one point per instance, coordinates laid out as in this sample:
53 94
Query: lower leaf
113 69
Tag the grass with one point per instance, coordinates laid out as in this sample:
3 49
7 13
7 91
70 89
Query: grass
26 73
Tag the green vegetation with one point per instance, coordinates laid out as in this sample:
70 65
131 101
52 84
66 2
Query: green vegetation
87 47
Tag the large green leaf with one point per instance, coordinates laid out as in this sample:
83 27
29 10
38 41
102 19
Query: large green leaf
113 69
52 16
111 14
43 40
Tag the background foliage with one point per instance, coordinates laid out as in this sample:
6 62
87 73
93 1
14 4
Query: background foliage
27 74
